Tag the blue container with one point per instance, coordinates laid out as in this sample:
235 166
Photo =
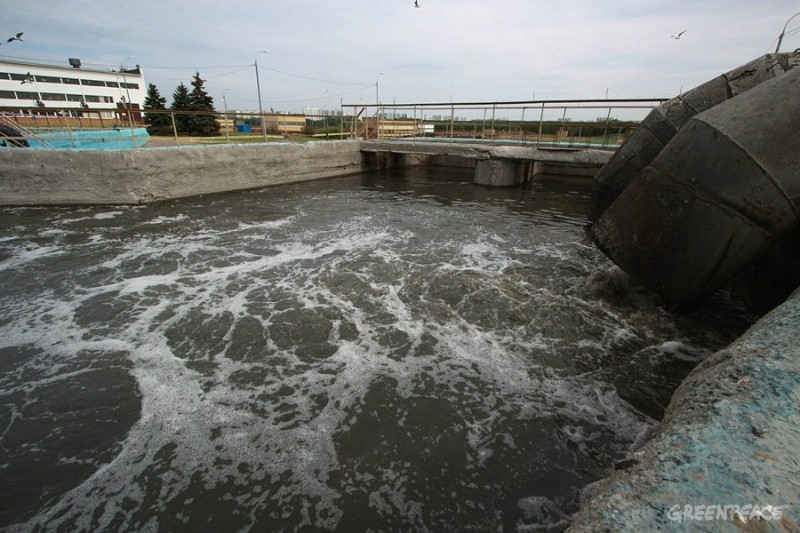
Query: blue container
244 128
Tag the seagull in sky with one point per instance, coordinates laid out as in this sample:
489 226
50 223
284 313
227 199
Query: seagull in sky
679 35
17 37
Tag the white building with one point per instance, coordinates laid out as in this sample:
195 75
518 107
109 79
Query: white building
33 88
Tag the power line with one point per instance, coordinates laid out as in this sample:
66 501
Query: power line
317 79
242 67
317 97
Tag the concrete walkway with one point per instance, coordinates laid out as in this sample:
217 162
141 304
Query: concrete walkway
726 457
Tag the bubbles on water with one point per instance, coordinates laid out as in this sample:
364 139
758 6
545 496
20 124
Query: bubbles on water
350 358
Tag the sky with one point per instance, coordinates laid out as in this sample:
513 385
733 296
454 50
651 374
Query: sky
324 53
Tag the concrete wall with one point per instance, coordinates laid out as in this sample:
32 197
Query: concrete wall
67 177
729 438
47 177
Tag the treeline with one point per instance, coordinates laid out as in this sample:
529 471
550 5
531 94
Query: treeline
194 111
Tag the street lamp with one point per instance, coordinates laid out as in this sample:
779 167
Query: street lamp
258 86
225 106
780 39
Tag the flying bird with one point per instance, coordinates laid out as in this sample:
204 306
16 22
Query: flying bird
416 3
17 37
679 35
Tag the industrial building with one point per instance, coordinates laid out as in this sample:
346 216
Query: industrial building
36 89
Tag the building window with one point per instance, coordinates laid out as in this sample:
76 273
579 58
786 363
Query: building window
24 95
74 98
7 94
4 76
19 77
93 83
108 99
90 98
71 81
48 79
112 84
130 85
54 96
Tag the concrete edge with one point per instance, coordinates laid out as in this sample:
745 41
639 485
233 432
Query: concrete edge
91 177
140 176
725 457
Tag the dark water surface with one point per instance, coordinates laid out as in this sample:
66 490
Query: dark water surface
385 352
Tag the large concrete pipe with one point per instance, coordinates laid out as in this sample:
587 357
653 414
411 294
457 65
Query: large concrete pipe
725 187
663 123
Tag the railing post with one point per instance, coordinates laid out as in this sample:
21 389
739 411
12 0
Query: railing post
415 124
452 119
541 121
494 108
605 130
69 132
174 127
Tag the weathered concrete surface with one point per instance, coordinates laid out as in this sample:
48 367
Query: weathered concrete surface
49 177
723 190
658 128
730 436
59 177
499 172
567 156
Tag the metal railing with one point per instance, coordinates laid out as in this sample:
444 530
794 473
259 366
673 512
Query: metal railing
601 123
579 122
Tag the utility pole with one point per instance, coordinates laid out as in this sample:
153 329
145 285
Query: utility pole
258 86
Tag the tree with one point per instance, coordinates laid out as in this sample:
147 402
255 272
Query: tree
157 123
200 102
180 104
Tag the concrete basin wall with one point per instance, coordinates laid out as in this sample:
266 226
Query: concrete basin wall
55 177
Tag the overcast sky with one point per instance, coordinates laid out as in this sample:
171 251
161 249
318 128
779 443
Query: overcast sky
324 52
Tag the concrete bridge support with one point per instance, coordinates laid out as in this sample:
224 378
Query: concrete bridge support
383 160
500 172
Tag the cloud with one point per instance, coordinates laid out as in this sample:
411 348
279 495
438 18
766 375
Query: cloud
467 50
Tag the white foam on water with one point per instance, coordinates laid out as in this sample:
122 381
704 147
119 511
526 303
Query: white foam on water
107 215
680 351
166 220
245 402
30 253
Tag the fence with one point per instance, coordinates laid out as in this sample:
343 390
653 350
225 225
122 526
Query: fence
578 122
592 123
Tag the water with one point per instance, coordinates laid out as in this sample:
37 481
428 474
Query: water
384 352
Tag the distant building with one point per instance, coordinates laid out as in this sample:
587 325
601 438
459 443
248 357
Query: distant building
391 128
275 123
39 89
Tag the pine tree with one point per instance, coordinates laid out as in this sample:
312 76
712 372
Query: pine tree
180 104
157 123
201 124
